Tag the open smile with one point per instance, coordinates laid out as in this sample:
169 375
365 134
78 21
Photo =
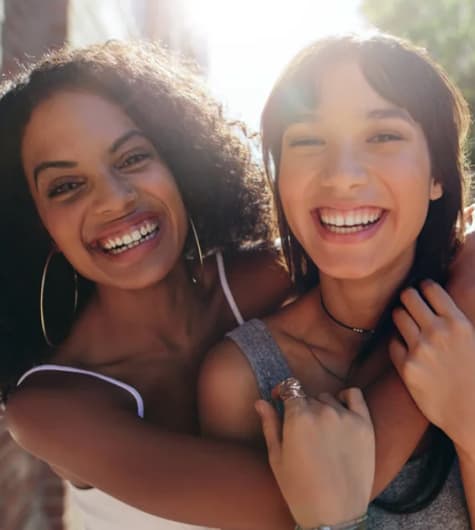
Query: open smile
349 221
128 238
133 238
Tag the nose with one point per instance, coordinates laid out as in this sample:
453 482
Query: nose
345 168
114 194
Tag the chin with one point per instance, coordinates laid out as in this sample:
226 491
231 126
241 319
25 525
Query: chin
134 282
347 269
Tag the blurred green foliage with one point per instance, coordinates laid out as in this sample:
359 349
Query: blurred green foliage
446 28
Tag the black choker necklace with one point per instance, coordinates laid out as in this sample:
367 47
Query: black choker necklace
361 331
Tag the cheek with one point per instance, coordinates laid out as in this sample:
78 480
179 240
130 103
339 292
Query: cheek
64 225
297 193
289 197
58 225
173 200
413 197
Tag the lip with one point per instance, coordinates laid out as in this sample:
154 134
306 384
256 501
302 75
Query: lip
122 226
355 237
134 254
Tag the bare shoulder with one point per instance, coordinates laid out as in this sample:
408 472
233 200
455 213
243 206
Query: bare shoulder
259 281
227 391
51 414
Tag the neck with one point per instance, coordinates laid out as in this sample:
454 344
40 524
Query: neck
360 303
164 317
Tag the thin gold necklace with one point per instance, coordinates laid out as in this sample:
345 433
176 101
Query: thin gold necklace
325 368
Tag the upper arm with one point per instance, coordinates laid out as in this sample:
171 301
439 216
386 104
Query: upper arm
57 418
259 282
461 285
227 391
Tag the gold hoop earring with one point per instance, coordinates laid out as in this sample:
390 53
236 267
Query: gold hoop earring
196 239
42 295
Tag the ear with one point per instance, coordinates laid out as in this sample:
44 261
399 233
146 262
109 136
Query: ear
436 190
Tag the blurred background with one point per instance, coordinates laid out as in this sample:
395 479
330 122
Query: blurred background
241 47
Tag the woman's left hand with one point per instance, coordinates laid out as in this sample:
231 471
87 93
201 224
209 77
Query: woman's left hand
322 456
437 361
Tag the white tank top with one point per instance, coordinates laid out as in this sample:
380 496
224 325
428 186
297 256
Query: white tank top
99 510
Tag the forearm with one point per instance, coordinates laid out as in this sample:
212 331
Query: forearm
461 283
398 424
174 476
216 484
467 470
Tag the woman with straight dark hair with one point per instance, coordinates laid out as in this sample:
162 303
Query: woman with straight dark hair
363 141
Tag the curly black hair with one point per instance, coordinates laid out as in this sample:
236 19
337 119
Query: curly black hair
211 158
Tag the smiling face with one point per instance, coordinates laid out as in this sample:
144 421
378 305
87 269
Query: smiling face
104 195
355 178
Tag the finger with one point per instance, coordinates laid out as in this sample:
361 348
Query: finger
271 426
353 398
398 353
406 326
469 217
291 393
330 400
440 300
419 310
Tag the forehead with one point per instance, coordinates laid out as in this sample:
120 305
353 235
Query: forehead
69 120
343 88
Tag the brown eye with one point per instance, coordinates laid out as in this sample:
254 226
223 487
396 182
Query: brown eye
63 188
305 142
133 160
385 137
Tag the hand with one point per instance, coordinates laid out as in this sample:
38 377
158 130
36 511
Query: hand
437 361
324 456
469 219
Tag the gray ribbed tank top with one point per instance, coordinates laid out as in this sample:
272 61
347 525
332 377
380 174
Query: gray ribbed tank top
447 512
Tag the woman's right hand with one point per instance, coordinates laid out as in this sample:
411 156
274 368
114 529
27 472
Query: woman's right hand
323 456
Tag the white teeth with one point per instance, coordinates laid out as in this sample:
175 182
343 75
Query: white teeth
133 238
123 248
349 219
343 229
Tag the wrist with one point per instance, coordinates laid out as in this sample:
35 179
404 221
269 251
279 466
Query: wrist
465 454
355 524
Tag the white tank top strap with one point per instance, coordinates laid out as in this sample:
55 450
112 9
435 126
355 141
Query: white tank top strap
60 368
227 290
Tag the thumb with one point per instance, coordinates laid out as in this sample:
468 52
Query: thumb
271 427
353 398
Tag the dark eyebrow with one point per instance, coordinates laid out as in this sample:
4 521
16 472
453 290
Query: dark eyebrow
390 112
122 139
55 163
68 164
304 117
375 114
